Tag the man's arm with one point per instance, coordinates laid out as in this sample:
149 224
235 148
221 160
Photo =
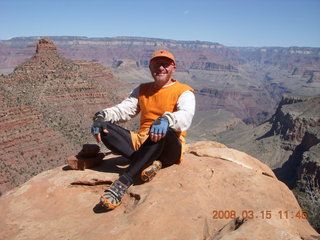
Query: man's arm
125 110
181 119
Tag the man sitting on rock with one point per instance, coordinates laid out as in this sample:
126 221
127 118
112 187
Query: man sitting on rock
167 108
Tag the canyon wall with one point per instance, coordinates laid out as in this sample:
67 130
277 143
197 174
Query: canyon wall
47 104
233 86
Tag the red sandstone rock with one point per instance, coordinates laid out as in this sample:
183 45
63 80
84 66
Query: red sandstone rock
45 45
198 199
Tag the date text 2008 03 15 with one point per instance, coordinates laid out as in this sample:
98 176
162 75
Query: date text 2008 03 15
261 214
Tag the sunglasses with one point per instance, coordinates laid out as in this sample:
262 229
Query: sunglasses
163 64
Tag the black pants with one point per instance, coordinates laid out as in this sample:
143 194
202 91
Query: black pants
167 150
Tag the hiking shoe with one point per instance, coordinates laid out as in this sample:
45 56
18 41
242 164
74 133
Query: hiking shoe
113 196
148 173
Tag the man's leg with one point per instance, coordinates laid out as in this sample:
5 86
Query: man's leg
118 140
167 150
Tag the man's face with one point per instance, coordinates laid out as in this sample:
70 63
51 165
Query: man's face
161 69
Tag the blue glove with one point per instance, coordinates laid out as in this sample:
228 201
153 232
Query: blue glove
98 123
160 126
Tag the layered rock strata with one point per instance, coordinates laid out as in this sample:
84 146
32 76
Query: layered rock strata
297 122
259 75
48 102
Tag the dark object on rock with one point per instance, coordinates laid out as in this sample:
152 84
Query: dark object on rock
89 150
80 163
88 157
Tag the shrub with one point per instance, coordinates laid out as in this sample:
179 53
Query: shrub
309 201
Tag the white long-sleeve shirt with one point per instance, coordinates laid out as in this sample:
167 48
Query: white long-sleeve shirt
179 120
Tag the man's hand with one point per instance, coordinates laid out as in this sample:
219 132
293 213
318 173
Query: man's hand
98 125
159 129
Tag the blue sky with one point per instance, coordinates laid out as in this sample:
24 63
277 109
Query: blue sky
256 23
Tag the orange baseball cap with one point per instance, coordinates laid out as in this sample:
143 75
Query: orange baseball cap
163 53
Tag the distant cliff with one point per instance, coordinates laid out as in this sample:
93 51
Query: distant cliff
246 77
105 50
191 54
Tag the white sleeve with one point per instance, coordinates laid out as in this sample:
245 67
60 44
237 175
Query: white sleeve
181 119
125 110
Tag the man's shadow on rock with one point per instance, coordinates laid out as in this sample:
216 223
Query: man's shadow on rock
117 164
98 208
